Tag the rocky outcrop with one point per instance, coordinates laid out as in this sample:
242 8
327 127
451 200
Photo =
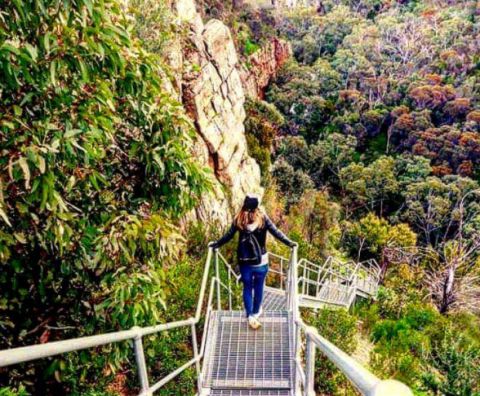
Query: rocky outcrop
213 95
263 65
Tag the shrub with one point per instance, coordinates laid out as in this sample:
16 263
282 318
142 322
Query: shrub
399 349
339 327
96 171
455 365
292 183
262 125
250 47
13 392
314 217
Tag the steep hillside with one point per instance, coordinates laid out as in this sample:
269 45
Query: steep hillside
376 156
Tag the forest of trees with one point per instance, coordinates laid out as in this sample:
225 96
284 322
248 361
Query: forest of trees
377 156
369 144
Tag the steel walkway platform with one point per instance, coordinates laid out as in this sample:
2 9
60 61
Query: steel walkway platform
250 392
274 299
239 359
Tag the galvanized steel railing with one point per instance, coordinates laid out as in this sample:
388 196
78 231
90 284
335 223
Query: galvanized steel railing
336 283
367 383
29 353
24 354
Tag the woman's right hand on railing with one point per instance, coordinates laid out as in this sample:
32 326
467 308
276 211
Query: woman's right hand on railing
212 245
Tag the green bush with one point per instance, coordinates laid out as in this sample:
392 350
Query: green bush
292 183
95 173
429 352
340 328
454 365
261 155
399 350
250 47
14 392
262 125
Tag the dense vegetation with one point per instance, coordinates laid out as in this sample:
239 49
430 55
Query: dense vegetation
95 173
378 158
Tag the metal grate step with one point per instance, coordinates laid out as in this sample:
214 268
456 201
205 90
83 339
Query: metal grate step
274 300
239 357
336 293
250 392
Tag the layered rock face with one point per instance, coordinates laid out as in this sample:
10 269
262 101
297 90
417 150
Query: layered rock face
212 85
263 65
212 92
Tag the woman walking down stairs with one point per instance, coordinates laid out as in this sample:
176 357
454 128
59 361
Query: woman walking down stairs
252 224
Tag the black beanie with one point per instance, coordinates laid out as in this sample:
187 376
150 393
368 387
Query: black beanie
250 203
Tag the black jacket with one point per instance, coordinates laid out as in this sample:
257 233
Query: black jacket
251 244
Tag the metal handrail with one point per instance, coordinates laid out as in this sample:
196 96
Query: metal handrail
365 381
364 276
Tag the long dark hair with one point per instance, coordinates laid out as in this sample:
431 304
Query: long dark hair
245 217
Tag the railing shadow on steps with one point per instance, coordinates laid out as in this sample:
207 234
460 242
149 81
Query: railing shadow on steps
362 379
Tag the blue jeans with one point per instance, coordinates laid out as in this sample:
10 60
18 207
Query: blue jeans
253 283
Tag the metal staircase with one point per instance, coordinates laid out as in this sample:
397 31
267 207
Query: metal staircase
336 284
233 360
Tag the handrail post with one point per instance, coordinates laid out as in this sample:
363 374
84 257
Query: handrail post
217 274
141 364
196 356
310 368
229 290
292 281
293 307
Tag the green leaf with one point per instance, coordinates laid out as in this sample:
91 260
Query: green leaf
20 236
72 132
89 5
46 43
27 98
9 48
17 110
8 124
53 71
41 164
32 51
83 71
4 216
22 162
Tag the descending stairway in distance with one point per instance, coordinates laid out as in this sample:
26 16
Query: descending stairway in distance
336 284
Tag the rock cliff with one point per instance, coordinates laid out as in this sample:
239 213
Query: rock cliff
212 93
262 65
212 85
